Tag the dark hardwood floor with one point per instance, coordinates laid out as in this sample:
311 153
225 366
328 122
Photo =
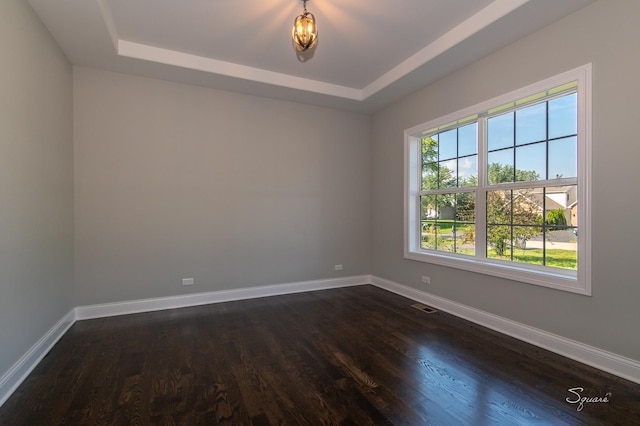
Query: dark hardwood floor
356 356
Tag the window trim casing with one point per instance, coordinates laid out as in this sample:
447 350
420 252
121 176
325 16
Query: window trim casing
579 282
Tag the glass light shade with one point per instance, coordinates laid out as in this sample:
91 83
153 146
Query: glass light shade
305 31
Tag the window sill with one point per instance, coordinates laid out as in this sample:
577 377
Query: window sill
560 281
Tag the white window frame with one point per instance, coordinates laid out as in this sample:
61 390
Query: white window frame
568 280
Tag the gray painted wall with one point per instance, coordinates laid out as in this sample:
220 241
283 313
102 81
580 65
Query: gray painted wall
36 182
605 33
175 181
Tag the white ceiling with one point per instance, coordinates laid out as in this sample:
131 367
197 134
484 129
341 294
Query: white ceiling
368 53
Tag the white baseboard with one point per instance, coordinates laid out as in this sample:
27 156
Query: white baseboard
182 301
598 358
10 380
615 364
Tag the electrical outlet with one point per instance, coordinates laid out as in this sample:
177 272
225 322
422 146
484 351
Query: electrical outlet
187 281
426 279
337 267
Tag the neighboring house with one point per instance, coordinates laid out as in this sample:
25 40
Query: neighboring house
444 213
532 203
447 212
574 213
561 197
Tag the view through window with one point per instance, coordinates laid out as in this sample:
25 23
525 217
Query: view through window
503 185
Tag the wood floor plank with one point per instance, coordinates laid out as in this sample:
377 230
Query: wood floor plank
350 356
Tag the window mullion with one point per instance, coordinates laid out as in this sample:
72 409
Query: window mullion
481 191
418 183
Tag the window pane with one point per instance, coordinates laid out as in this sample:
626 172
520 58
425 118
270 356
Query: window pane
465 229
468 140
514 219
430 149
429 215
446 207
465 238
526 245
499 207
428 239
527 206
556 217
468 171
499 242
531 124
562 248
563 158
428 209
500 131
429 176
500 166
565 197
531 162
448 146
448 222
448 174
465 207
441 231
563 116
561 206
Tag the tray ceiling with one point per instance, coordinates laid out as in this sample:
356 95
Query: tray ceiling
368 53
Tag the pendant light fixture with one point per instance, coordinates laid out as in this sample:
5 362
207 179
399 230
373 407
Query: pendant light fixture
305 30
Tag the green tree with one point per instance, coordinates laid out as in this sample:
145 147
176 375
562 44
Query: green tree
512 216
556 218
434 175
500 173
466 206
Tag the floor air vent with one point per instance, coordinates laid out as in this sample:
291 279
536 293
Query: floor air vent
424 308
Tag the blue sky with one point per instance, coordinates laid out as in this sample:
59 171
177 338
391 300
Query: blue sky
530 126
529 147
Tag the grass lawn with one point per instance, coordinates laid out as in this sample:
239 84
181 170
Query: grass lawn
446 226
557 258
